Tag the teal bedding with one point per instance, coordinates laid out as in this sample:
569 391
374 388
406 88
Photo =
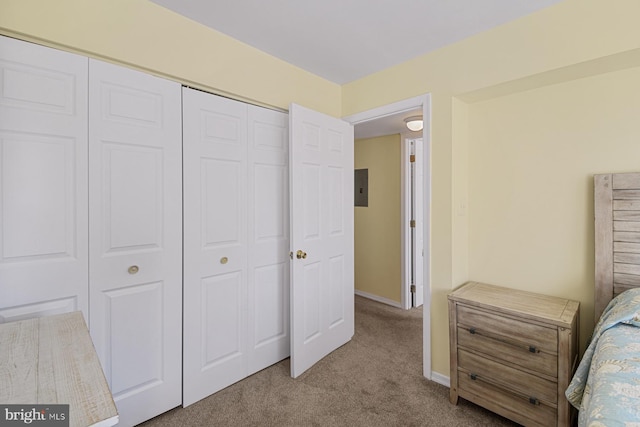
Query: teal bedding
606 386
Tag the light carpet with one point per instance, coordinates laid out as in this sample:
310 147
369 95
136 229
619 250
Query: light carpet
374 380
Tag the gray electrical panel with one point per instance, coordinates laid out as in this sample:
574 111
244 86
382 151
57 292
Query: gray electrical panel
361 185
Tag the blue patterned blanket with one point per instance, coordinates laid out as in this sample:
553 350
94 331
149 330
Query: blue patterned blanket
606 385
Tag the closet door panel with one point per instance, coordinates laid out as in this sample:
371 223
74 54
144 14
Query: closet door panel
128 369
215 250
268 261
135 237
223 349
43 181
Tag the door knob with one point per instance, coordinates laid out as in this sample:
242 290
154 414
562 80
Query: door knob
301 255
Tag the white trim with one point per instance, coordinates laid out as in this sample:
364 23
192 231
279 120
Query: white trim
423 101
426 212
387 110
441 379
378 298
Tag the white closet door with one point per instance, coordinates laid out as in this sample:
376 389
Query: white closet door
268 271
215 248
322 281
135 237
43 181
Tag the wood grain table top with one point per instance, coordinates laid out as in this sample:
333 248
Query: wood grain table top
52 360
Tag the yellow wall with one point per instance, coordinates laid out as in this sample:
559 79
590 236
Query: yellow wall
459 192
378 256
571 40
156 40
532 159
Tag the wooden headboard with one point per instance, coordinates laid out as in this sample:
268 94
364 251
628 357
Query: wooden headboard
617 236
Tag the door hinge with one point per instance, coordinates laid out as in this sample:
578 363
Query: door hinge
412 223
412 158
413 289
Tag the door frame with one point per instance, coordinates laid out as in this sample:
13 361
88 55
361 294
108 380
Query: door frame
424 102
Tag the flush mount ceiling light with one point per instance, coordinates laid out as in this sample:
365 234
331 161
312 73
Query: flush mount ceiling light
414 123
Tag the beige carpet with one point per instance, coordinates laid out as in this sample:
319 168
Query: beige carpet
374 380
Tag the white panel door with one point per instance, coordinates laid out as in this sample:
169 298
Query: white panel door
215 248
268 233
43 181
136 237
322 282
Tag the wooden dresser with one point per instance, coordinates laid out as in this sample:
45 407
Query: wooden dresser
513 352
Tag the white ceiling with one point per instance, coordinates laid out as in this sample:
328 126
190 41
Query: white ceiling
344 40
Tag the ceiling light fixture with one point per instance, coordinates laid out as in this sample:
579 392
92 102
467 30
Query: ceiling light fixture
414 123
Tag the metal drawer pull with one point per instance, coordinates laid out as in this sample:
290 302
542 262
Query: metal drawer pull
133 269
532 400
530 348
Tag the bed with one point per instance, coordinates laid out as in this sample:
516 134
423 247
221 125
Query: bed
606 386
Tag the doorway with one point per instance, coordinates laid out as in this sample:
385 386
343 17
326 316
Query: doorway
377 115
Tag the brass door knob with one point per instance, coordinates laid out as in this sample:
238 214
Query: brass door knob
301 255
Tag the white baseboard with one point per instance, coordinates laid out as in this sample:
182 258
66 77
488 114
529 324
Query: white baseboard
378 298
440 379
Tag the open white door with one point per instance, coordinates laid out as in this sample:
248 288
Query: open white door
418 211
322 281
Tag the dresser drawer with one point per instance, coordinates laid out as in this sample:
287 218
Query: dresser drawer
514 341
517 381
515 407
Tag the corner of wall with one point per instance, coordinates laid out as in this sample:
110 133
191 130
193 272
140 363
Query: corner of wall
460 191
